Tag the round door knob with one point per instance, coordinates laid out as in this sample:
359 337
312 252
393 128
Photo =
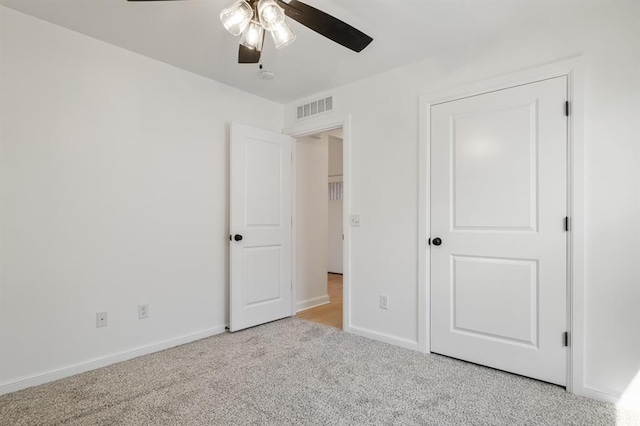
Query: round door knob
237 237
436 241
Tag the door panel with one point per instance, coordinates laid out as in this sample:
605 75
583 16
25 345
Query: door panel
498 202
263 275
480 287
494 170
263 167
260 200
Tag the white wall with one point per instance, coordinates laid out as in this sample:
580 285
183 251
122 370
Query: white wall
311 222
334 254
114 175
384 184
335 156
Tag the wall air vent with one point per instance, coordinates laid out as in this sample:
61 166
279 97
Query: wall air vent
314 108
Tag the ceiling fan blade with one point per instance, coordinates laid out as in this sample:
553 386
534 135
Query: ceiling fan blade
326 25
248 56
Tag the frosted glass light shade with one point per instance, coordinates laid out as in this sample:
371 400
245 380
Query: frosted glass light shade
270 14
253 36
282 35
236 17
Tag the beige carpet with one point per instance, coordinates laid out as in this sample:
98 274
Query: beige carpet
297 372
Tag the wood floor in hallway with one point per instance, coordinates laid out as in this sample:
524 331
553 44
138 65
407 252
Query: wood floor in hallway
331 313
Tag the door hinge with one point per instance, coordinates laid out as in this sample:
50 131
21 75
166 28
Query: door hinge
566 108
565 338
567 225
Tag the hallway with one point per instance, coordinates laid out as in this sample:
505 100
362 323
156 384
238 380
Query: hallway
331 313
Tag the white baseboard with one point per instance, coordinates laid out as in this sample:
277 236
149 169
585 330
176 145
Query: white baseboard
613 397
631 401
597 394
312 303
49 376
386 338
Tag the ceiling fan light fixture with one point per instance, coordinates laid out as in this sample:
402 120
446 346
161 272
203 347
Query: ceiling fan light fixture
282 35
253 36
236 17
270 14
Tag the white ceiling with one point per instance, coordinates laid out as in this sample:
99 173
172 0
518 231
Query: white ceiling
189 35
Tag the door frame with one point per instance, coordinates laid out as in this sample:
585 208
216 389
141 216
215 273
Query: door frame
573 70
325 126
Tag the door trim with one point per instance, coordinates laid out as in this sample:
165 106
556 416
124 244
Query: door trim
346 208
573 70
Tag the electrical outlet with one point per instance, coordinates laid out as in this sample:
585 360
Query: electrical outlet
101 319
143 311
354 220
384 301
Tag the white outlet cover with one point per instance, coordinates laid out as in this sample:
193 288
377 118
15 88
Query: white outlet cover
143 311
384 301
355 220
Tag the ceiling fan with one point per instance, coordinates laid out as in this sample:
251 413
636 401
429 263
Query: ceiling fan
254 18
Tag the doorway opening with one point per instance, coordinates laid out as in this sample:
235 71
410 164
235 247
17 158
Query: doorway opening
319 236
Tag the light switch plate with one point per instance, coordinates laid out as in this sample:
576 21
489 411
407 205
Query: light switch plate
355 220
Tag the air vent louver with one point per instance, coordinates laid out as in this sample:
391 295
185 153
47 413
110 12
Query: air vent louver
311 109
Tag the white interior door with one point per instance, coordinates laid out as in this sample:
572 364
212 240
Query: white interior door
260 216
498 204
